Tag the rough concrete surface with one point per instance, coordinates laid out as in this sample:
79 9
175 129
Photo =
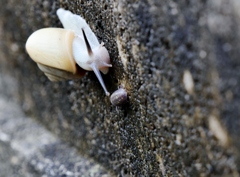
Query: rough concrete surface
178 61
28 149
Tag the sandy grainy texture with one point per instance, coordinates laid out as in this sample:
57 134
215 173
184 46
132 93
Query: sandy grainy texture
167 128
28 149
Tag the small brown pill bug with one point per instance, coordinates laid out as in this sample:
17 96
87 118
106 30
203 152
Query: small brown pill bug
119 97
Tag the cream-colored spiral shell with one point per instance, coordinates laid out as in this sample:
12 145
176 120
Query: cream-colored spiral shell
52 47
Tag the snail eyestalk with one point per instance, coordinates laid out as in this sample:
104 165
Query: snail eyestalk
99 76
96 64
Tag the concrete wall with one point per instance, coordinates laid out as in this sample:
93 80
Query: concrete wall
157 48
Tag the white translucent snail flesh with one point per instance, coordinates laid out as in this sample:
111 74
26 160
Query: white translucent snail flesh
66 53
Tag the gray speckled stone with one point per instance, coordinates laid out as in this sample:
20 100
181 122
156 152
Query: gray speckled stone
179 64
28 149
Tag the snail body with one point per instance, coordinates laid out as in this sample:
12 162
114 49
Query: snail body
66 53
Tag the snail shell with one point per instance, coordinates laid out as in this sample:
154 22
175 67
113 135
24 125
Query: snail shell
66 53
54 57
119 97
55 74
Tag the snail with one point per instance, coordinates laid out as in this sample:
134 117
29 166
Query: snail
68 53
119 97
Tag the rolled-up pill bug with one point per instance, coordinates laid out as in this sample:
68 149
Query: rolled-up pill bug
119 97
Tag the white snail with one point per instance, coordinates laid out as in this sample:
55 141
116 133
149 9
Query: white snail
57 50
